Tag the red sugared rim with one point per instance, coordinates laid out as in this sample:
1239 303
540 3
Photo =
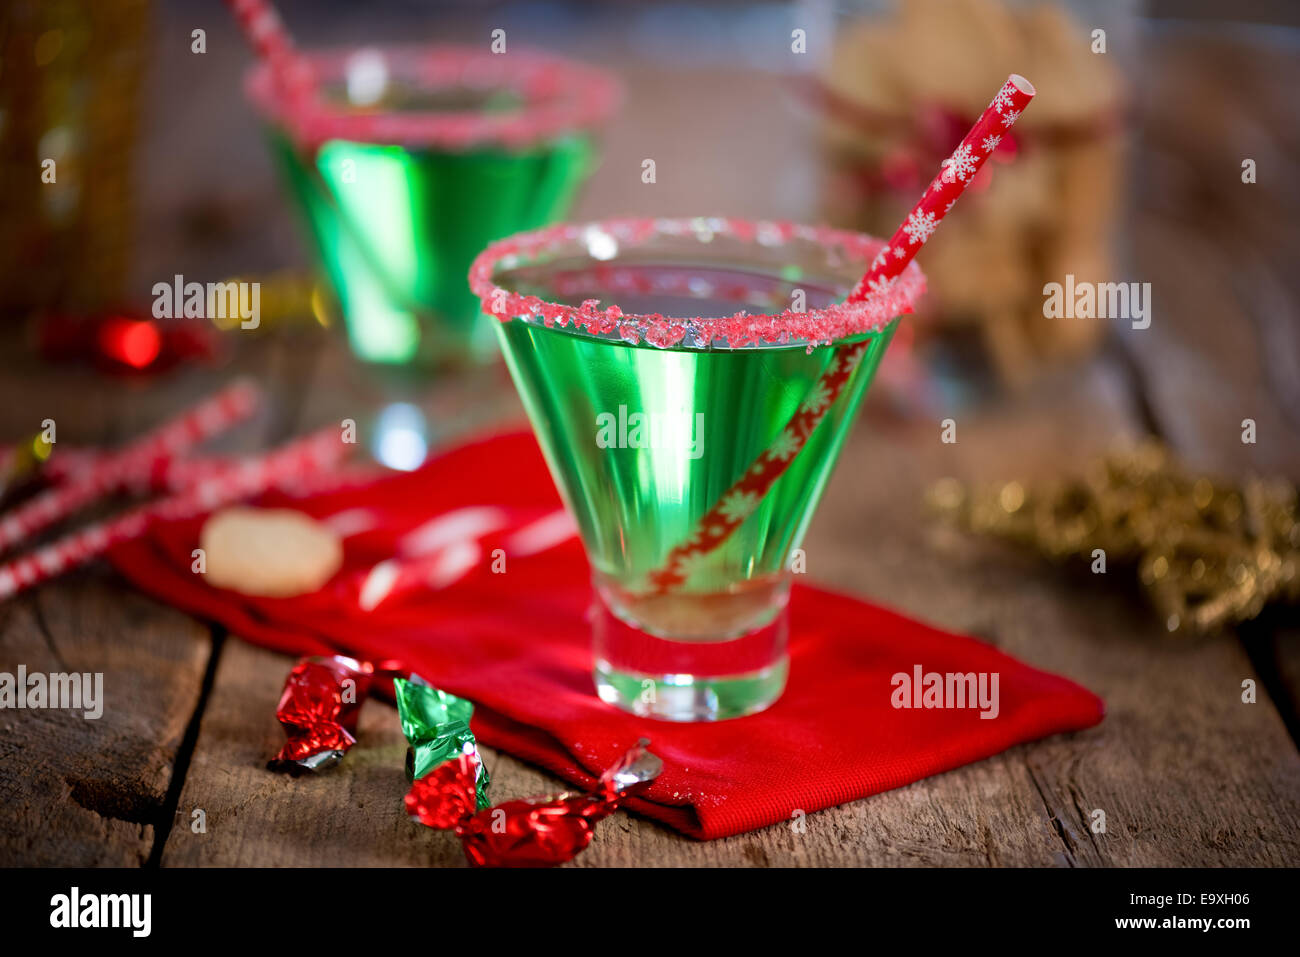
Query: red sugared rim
893 298
557 96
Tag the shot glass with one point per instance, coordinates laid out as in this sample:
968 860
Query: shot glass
691 383
408 160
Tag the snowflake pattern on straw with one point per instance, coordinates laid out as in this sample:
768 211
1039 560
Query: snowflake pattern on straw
738 505
693 562
961 163
880 285
784 447
1010 117
920 226
819 397
991 143
1004 97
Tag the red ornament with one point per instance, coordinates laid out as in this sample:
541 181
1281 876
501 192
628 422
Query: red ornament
127 342
533 832
319 710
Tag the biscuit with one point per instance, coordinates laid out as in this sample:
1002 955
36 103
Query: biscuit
269 552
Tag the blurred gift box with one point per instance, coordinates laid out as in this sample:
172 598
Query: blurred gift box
901 86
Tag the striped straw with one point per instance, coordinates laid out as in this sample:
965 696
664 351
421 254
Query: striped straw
312 454
271 42
955 174
263 29
134 463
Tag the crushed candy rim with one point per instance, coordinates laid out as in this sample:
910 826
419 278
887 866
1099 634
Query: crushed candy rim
886 300
558 96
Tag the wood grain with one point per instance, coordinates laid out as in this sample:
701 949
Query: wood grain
93 792
100 792
1224 345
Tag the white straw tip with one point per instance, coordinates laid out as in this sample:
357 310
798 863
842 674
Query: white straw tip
1021 84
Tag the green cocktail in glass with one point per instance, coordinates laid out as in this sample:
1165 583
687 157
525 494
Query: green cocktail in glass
407 161
691 451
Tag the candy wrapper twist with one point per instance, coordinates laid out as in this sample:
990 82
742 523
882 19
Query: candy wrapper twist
319 709
532 832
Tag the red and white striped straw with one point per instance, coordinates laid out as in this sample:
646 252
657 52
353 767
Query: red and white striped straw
178 474
955 174
271 42
312 454
134 463
72 461
263 29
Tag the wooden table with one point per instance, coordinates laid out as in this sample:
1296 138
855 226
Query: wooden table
1186 773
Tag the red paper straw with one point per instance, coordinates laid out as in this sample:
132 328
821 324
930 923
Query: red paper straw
178 474
134 463
316 452
955 174
271 42
264 30
70 462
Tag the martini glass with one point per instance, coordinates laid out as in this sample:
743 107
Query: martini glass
651 417
405 162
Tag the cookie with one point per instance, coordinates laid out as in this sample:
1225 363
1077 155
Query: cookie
269 552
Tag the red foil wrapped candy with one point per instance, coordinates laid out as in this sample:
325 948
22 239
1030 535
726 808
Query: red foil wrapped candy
319 709
533 832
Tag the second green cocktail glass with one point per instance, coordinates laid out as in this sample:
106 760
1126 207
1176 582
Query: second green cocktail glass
406 162
691 451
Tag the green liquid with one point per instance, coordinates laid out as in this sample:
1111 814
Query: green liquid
633 505
396 229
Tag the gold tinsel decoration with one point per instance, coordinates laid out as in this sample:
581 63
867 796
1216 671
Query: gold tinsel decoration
1209 554
71 73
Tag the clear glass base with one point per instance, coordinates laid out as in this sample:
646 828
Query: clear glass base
690 697
688 680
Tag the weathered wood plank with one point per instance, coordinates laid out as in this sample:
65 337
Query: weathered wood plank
1224 343
351 815
77 791
96 792
1224 346
92 792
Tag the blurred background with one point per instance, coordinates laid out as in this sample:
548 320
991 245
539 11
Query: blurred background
1128 168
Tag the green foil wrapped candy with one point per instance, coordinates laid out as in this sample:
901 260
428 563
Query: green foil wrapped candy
436 725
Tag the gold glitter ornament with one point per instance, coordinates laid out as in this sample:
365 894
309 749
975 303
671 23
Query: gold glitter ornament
1208 553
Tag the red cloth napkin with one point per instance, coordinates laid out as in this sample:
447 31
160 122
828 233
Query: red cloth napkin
517 644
